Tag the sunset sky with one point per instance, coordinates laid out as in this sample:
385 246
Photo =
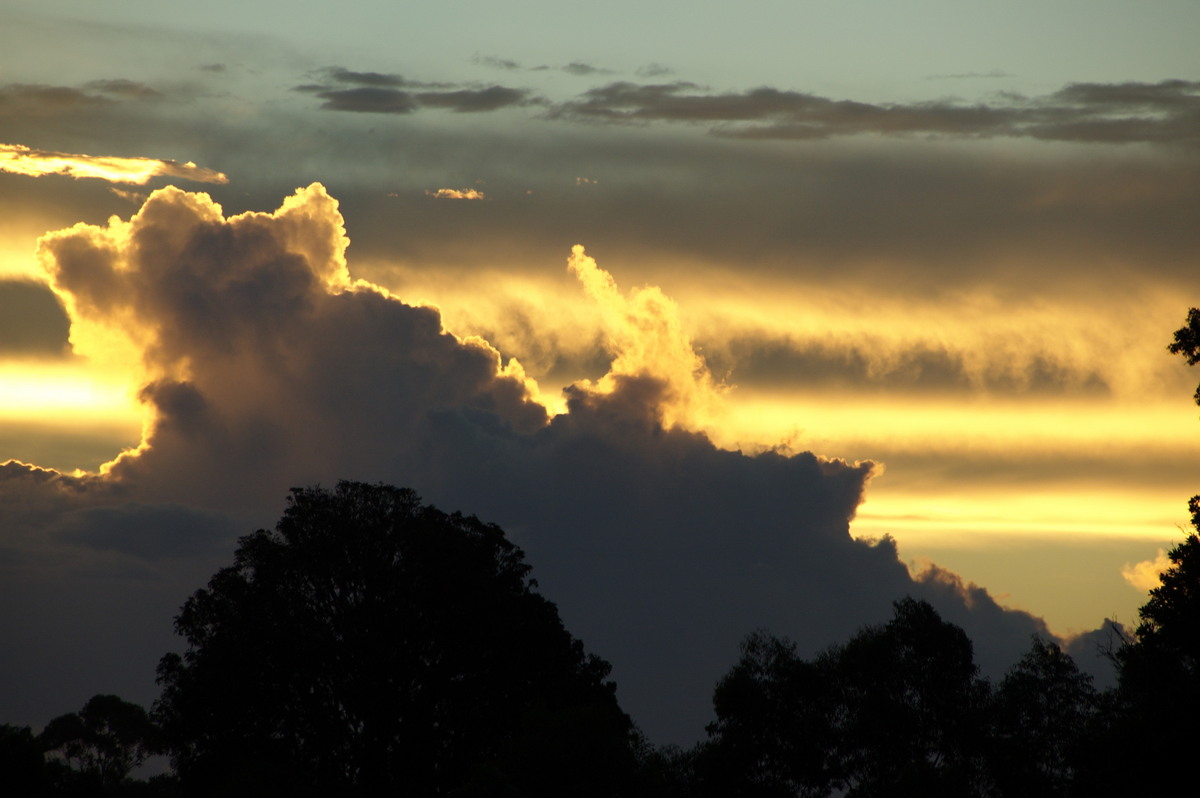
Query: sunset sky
670 291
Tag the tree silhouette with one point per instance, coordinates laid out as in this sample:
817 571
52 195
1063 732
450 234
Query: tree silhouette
1157 713
1045 711
1187 342
1157 704
373 644
897 710
23 767
103 742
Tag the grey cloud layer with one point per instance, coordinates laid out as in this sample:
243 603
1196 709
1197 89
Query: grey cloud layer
1165 112
274 370
375 92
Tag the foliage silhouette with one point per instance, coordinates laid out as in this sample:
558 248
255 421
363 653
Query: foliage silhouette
1045 713
898 710
374 644
1157 712
103 742
23 767
1187 342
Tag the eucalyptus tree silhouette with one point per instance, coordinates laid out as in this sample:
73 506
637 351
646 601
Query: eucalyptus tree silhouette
100 745
1044 723
898 710
371 643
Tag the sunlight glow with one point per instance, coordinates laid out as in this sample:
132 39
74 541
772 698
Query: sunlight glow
64 395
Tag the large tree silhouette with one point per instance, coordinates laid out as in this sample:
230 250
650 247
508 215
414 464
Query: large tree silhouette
371 643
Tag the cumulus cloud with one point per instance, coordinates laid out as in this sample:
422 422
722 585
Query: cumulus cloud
643 331
22 160
1164 112
265 364
1146 575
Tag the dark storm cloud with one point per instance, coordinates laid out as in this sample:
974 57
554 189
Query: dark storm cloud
32 321
661 549
1165 112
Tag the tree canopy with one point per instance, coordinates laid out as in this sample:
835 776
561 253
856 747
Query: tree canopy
898 710
371 642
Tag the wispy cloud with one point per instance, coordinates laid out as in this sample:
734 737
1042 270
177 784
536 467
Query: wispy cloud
22 160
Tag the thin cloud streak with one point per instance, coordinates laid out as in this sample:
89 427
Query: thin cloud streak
21 160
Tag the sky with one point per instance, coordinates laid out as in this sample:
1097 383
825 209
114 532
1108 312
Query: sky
733 318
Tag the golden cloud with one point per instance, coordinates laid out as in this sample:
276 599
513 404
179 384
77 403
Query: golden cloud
1146 575
22 160
455 193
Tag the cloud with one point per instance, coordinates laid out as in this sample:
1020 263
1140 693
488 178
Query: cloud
41 100
491 98
365 99
379 93
580 68
456 193
1145 576
653 70
643 331
22 160
18 99
264 364
496 62
121 87
1165 112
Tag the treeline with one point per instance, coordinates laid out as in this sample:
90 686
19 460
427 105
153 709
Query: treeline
374 645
